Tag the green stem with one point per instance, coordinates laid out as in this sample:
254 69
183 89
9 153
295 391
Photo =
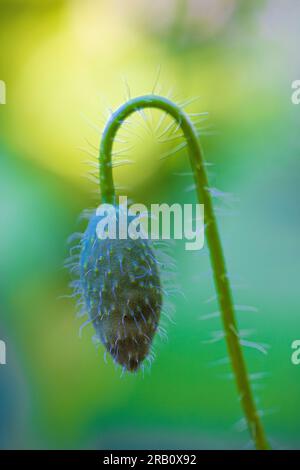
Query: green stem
215 248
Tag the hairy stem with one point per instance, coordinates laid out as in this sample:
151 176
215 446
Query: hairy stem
213 239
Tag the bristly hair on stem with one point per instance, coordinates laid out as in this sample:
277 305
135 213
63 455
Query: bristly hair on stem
221 279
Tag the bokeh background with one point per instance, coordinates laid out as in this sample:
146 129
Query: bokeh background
65 64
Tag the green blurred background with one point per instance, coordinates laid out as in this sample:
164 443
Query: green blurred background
64 64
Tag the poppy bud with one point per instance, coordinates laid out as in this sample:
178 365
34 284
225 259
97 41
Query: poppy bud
122 293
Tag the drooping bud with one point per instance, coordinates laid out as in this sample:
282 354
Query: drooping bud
122 293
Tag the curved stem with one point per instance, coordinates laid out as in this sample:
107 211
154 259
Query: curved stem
213 239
